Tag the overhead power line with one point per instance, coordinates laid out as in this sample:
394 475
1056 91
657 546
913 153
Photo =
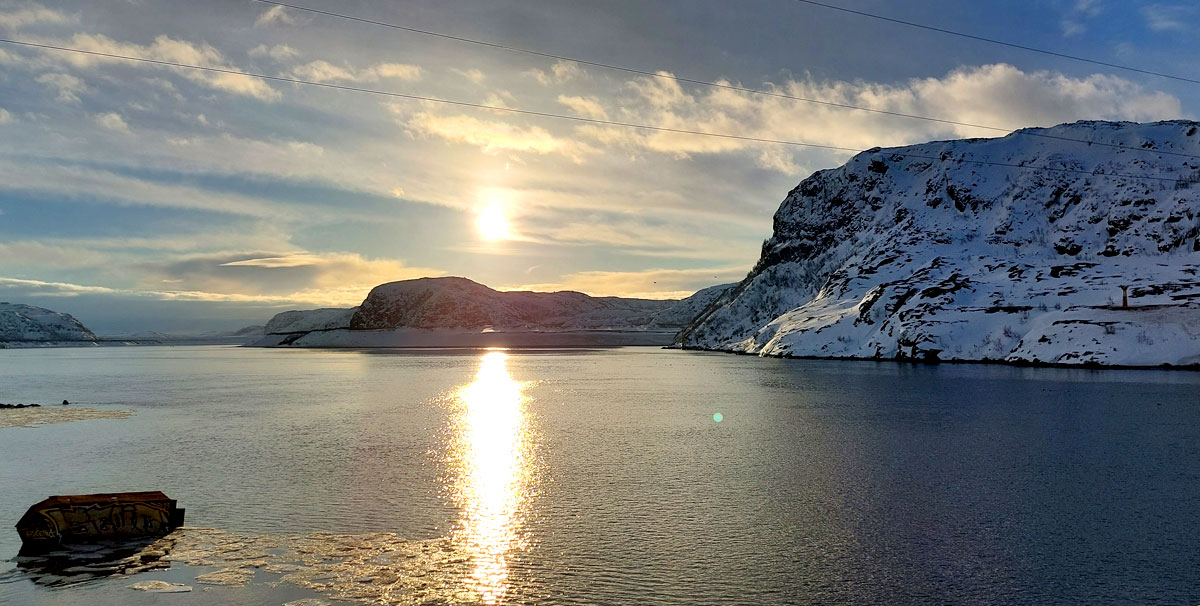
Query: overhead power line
720 85
1023 47
327 85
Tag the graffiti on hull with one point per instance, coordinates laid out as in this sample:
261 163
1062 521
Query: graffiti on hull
92 518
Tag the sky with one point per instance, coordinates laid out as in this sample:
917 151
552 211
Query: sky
147 197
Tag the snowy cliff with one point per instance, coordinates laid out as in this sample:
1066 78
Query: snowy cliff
26 325
925 252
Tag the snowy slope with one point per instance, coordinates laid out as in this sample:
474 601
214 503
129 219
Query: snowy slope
326 318
916 252
35 325
684 311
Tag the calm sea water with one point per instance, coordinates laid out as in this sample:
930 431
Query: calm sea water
603 476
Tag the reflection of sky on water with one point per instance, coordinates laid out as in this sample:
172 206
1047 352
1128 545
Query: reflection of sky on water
490 458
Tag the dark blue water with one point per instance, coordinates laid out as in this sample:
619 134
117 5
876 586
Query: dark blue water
601 477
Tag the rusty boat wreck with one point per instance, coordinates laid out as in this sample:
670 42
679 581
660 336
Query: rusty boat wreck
97 518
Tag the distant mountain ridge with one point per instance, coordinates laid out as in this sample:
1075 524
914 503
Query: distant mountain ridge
427 310
918 252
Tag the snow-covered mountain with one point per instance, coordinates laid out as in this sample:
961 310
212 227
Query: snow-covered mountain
214 337
458 311
924 252
26 325
457 303
308 320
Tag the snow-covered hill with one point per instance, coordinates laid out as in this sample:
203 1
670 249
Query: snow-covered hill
456 303
918 252
325 318
26 325
458 311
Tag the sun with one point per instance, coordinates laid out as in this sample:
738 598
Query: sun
492 224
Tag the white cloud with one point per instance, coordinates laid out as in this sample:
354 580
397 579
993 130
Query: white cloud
492 136
999 95
26 254
275 14
334 278
17 16
66 87
64 289
94 185
474 75
164 48
339 278
399 71
587 107
5 116
1171 17
324 71
112 121
560 72
279 52
1077 15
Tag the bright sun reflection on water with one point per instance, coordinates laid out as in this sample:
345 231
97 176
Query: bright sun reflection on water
490 459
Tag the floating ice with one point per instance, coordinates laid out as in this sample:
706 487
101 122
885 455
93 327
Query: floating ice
42 415
161 587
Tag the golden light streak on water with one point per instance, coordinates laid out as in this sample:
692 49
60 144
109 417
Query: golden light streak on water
490 458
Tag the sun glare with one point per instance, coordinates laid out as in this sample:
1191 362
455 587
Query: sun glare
491 457
492 224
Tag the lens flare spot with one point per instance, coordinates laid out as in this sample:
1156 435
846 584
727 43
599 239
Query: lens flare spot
718 417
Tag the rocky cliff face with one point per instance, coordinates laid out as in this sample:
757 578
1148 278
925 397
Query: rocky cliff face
26 324
924 252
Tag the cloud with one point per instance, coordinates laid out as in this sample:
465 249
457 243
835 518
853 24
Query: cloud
62 289
324 71
644 284
1170 17
336 278
31 14
275 14
66 86
279 52
26 254
474 75
587 107
164 48
1074 21
5 116
400 71
492 136
998 94
112 121
342 279
560 73
93 185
